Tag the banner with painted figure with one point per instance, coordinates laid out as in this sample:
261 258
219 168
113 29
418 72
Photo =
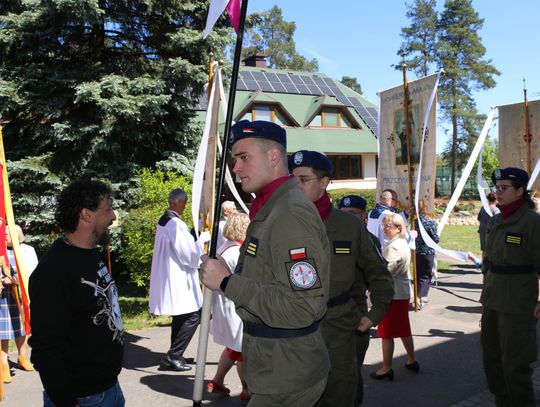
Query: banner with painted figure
393 162
512 136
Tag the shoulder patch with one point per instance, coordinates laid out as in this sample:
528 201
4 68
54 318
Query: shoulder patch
252 246
303 275
513 238
342 247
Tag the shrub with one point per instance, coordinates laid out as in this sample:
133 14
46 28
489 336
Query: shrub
139 226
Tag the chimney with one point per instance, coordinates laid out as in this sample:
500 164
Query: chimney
256 60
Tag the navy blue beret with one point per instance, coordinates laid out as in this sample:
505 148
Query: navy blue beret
260 129
313 159
511 174
352 201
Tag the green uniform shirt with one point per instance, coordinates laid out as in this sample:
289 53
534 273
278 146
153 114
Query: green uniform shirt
355 266
515 242
283 283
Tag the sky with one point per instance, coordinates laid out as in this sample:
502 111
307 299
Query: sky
360 38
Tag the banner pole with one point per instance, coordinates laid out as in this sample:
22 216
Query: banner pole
406 108
528 136
207 298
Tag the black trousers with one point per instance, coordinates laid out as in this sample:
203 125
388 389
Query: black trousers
182 330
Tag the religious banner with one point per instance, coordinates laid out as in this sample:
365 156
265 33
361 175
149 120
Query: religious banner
513 140
393 172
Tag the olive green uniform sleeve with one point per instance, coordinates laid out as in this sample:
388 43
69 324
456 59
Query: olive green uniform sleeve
374 276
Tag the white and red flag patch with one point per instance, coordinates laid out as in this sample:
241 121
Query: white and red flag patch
298 254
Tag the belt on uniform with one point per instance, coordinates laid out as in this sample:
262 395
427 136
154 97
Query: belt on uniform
339 299
512 269
265 331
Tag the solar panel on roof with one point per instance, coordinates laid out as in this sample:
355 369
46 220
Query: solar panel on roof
258 76
252 85
284 78
296 79
272 77
303 89
278 87
318 81
265 86
307 80
374 112
290 88
314 89
240 85
326 90
247 75
329 81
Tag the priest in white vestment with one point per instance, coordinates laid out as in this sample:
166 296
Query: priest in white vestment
174 282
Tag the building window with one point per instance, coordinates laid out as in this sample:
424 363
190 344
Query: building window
347 166
330 117
268 113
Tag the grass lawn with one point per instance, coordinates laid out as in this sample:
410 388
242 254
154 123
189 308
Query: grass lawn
135 314
463 238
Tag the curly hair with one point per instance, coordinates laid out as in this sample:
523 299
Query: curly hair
75 197
236 226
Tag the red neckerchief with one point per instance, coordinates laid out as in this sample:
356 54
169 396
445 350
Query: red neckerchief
323 205
264 195
511 208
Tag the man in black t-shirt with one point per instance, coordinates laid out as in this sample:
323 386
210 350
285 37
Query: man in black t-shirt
77 336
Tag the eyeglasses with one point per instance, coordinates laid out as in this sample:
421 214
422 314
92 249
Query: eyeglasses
389 226
304 180
501 188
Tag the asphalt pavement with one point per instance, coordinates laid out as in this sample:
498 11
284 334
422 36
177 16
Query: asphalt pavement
446 336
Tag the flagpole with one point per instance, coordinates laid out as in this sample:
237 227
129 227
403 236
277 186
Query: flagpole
207 301
406 109
528 136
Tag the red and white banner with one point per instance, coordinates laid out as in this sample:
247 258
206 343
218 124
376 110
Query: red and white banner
217 7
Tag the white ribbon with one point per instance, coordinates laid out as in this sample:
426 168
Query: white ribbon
467 170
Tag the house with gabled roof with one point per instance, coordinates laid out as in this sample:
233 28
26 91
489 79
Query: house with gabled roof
318 112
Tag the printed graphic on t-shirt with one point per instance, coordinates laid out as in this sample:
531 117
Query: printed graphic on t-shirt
107 293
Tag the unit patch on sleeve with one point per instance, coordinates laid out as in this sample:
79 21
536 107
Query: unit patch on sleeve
513 238
303 274
251 247
342 247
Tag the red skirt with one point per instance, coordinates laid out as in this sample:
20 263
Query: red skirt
395 323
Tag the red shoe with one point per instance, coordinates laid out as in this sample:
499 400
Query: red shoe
214 387
244 396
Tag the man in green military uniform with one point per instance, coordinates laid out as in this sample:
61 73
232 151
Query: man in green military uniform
354 264
280 287
510 294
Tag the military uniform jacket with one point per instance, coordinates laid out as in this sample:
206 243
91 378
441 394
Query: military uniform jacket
355 265
283 283
513 242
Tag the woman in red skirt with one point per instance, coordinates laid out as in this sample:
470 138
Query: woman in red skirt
395 323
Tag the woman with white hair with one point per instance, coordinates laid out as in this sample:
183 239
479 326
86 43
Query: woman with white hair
395 323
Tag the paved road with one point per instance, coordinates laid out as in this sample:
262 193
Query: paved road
446 335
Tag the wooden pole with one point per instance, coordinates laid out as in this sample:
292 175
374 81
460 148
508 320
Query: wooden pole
207 298
406 108
528 136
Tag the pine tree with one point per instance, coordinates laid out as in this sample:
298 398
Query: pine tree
98 89
461 53
352 82
418 47
269 34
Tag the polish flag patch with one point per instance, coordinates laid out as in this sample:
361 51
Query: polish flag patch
298 254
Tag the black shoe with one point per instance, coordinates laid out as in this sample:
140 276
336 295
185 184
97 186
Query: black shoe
190 361
414 366
388 375
174 364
